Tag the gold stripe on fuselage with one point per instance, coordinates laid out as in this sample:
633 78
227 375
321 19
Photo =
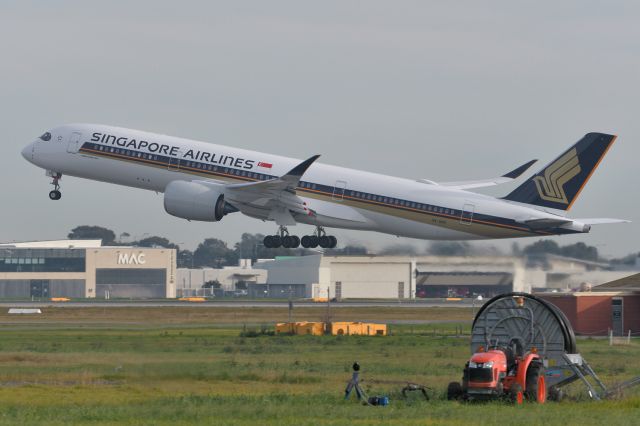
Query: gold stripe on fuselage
476 227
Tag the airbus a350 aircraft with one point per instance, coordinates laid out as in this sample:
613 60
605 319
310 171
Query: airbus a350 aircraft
205 182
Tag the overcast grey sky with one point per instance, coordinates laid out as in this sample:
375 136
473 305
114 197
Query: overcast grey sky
437 90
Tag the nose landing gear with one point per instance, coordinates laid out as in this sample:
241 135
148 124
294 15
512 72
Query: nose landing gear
55 194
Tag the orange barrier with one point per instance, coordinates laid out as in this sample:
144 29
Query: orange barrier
192 299
60 299
304 327
358 328
335 328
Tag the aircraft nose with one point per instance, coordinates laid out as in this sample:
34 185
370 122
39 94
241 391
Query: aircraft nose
26 152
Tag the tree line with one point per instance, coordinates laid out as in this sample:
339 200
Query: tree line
215 253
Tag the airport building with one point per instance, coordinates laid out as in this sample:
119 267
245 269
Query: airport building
393 277
230 280
613 306
85 269
406 277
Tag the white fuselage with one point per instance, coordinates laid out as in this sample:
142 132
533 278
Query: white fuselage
341 197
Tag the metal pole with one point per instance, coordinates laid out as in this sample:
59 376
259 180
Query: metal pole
290 306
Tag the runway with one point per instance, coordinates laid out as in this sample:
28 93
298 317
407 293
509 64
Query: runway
426 303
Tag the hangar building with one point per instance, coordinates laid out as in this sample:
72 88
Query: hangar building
393 277
407 277
85 268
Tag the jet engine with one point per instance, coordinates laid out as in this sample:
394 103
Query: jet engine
196 201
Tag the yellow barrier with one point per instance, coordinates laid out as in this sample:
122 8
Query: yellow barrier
358 328
60 299
335 328
285 327
313 328
192 299
304 327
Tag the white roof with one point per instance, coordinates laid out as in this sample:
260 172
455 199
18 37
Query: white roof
56 244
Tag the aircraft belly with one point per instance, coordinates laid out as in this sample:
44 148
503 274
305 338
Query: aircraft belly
406 227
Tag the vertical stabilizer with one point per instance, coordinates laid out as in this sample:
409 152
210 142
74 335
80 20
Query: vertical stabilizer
559 183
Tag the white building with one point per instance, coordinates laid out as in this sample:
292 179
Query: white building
405 277
190 281
85 269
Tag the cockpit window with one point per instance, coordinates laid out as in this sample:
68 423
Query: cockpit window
46 137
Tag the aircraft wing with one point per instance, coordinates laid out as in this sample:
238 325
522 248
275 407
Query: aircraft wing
469 184
277 196
287 182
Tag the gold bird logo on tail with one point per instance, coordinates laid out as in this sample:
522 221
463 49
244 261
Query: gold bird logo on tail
551 185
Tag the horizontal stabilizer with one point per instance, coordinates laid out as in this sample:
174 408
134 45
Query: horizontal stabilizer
602 221
469 184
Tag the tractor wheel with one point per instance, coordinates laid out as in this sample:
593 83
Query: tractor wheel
516 394
454 391
536 385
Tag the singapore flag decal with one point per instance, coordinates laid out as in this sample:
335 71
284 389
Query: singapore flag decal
265 165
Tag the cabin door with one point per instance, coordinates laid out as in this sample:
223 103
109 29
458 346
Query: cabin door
466 217
174 162
338 190
74 142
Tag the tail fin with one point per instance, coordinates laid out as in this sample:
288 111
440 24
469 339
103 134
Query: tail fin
559 183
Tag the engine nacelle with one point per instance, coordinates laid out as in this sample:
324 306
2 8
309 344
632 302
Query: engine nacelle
195 201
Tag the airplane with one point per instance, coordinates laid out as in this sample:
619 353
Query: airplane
205 182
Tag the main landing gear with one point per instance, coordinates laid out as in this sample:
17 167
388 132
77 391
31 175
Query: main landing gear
55 194
283 239
319 238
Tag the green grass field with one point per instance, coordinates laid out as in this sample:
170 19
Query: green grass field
70 370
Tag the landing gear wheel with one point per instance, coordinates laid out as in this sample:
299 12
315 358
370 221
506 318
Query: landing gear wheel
268 241
55 195
334 241
295 243
305 241
536 386
287 241
516 394
313 241
324 241
276 241
454 391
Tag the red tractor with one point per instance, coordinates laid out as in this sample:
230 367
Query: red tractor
502 372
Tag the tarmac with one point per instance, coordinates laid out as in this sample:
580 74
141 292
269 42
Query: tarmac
427 303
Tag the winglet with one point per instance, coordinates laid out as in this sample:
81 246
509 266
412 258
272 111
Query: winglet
515 173
301 168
